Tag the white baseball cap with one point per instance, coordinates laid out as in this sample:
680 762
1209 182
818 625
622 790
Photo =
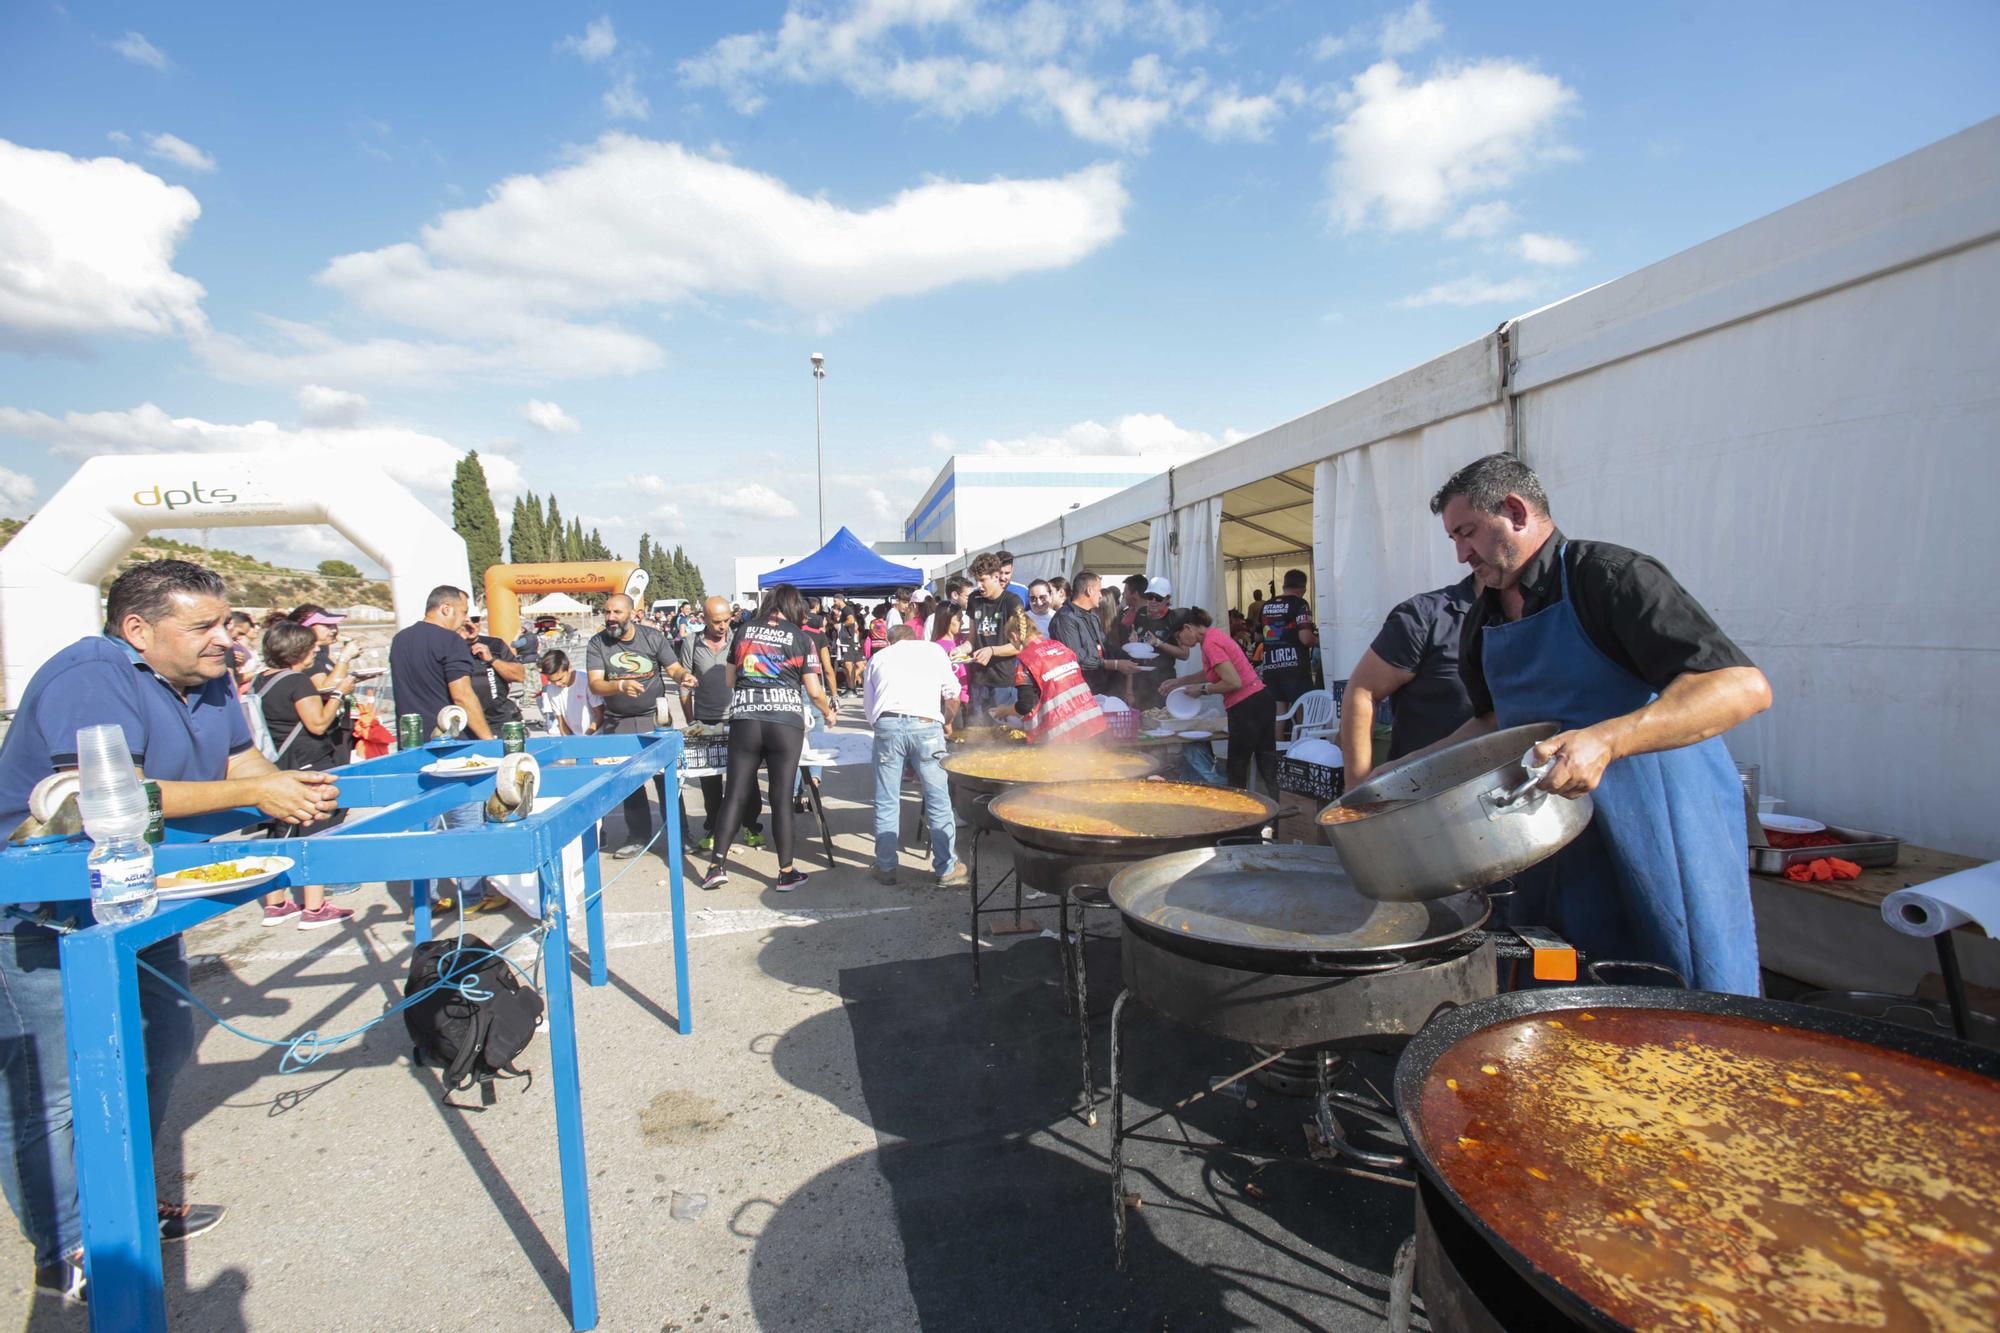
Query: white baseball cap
1159 587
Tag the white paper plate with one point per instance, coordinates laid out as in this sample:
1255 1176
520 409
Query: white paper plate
487 765
1791 823
1183 704
1141 651
1196 735
269 868
1157 732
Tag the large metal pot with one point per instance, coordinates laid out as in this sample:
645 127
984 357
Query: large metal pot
1459 819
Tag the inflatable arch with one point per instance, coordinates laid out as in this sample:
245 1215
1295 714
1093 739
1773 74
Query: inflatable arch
506 584
49 573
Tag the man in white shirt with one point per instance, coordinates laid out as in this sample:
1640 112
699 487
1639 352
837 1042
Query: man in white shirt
911 695
1041 605
565 701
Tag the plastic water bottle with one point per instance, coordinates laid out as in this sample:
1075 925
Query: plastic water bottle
113 804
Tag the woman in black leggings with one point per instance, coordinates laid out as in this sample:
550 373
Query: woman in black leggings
772 670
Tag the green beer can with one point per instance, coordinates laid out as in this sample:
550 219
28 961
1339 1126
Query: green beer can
410 731
156 815
513 737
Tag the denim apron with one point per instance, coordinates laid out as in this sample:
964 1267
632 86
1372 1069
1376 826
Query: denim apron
1661 874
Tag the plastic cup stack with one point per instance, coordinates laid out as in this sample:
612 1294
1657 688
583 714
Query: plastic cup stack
109 796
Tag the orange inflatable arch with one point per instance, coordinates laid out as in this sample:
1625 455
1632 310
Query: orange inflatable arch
506 585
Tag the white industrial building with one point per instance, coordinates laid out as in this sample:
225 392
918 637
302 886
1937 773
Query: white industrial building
978 500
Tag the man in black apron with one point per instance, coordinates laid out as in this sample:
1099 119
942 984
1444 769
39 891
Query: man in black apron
1604 642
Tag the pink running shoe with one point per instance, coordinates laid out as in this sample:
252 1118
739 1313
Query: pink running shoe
278 916
325 915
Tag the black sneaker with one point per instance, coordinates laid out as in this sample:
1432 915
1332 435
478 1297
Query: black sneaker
64 1279
178 1221
716 877
790 880
883 876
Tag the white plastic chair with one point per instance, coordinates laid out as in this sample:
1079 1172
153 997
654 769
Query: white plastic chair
1311 715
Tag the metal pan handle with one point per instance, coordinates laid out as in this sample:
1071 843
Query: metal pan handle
1607 973
1502 801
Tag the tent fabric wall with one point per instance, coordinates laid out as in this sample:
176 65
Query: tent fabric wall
1375 541
1159 549
1824 490
1198 564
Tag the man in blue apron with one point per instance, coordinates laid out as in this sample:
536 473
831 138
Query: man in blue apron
1604 642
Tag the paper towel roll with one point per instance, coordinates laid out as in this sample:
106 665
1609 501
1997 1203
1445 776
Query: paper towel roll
1947 903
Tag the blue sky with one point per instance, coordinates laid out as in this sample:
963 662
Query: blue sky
597 244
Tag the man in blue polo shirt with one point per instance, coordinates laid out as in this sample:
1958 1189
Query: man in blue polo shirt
161 672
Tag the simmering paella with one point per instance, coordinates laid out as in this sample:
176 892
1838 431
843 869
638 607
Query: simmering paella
1685 1171
1133 809
1021 763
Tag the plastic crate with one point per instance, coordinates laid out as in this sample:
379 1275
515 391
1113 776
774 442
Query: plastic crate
1321 782
1122 726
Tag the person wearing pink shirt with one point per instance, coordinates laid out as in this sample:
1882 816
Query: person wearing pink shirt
1250 705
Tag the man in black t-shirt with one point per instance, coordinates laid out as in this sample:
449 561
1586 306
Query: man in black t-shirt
431 668
989 612
496 669
1415 658
629 663
1285 629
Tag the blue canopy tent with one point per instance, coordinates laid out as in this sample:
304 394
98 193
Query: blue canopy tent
844 564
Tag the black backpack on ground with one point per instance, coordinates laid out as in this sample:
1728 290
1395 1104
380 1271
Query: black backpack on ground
472 1041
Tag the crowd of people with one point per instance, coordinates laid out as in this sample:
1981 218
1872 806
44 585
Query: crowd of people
223 712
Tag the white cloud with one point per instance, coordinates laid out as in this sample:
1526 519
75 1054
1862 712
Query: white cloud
648 483
541 348
321 406
1553 251
597 42
172 148
1408 152
959 57
1140 434
623 100
550 418
1473 290
1230 115
87 246
1411 30
1329 46
17 492
1481 221
747 500
135 48
420 461
630 223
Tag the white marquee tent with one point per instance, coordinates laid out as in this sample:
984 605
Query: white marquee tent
1801 418
555 604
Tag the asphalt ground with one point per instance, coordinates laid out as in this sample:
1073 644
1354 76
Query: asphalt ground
850 1139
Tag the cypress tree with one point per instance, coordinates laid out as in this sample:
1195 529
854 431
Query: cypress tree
473 516
574 543
524 540
540 526
555 537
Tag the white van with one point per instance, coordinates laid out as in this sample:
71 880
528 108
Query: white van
667 605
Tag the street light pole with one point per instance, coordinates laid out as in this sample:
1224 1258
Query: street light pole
819 448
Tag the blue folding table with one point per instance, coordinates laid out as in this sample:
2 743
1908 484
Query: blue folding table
114 1149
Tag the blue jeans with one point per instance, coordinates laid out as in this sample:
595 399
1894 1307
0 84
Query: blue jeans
38 1170
985 698
464 816
900 740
